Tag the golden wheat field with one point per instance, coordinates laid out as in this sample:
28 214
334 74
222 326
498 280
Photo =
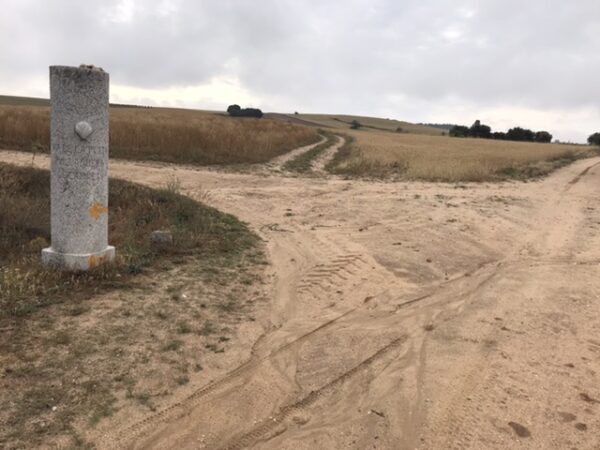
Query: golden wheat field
441 158
169 135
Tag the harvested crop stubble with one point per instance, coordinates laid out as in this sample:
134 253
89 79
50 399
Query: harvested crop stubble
438 158
168 135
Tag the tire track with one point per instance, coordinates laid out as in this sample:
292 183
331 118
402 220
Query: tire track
578 178
316 272
318 166
460 423
171 411
277 163
341 267
248 439
177 409
316 277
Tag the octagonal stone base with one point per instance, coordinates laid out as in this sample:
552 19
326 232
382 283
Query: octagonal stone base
77 262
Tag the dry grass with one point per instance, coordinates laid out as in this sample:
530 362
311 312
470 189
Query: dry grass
168 135
136 211
438 158
69 356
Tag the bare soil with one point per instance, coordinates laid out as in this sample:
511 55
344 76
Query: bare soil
400 316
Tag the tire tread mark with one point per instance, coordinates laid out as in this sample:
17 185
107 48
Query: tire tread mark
268 424
340 267
163 415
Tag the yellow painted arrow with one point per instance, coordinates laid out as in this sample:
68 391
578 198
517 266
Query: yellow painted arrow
97 210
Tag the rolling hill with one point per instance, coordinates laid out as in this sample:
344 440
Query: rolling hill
334 121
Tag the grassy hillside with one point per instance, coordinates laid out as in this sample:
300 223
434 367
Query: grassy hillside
166 134
23 101
334 121
343 122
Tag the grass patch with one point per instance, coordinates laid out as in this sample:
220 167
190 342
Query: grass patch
135 212
438 158
207 328
303 162
167 134
341 155
172 346
72 358
541 168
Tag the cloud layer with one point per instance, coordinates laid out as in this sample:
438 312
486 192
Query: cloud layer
502 61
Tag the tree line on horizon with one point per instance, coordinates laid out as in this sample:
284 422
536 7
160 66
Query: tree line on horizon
479 130
237 111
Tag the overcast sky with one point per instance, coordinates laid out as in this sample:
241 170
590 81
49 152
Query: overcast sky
533 63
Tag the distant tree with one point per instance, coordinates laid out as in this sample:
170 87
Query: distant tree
520 134
480 131
543 136
234 110
252 112
500 135
594 139
399 130
296 113
355 125
459 131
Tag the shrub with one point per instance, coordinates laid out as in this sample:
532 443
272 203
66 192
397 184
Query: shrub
252 112
237 111
520 134
543 136
234 110
480 131
594 139
459 131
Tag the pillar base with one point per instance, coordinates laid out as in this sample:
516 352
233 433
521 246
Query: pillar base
75 262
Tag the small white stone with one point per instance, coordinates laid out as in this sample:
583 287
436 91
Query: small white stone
161 237
83 129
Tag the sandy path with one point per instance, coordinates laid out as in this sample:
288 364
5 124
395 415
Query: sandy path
318 166
277 163
404 315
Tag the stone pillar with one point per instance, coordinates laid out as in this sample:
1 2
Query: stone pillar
79 173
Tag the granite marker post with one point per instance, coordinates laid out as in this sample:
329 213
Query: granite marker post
79 173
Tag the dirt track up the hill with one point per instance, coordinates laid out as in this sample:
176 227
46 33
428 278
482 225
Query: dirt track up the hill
402 316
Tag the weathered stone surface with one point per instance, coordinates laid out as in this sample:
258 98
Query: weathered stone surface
79 181
161 238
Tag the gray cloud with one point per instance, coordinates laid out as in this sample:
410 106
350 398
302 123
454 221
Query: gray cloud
372 57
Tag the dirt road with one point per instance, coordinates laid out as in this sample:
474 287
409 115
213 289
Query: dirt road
403 316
